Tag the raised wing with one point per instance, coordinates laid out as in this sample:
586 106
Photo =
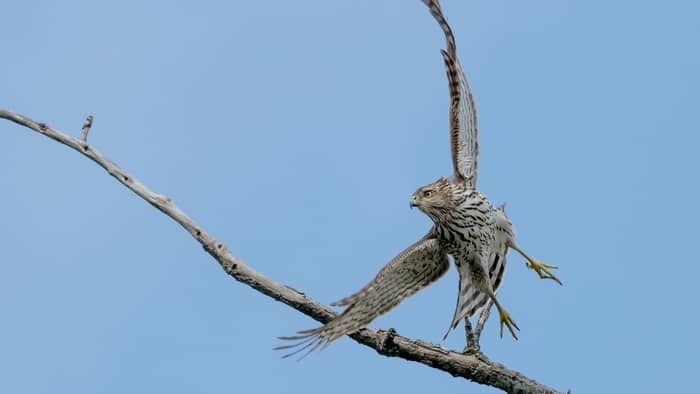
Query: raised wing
463 124
413 269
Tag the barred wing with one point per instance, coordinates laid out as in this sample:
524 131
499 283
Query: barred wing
463 124
413 269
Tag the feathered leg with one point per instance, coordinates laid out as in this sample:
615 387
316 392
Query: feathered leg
479 278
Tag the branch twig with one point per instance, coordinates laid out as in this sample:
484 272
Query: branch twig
86 128
474 367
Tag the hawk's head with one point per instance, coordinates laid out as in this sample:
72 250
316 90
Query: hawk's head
434 199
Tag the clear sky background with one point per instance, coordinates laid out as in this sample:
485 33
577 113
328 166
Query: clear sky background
296 132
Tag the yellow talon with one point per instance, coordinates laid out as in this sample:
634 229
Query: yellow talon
508 322
543 270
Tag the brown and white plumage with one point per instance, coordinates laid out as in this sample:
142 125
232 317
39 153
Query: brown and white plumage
466 226
469 298
464 132
413 269
464 144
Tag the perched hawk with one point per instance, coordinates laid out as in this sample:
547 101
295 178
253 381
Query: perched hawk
466 226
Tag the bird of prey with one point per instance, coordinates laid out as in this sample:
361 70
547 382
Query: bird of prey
465 225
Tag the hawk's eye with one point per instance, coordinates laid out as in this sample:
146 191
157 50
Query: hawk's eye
427 193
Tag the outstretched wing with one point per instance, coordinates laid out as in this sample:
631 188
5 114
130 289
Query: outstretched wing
463 124
413 269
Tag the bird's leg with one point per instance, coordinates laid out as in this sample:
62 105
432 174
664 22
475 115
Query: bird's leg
504 316
472 339
473 335
542 269
480 280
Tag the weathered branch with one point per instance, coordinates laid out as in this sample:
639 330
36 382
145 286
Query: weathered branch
475 367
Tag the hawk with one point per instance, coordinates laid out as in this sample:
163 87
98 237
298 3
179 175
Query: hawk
465 225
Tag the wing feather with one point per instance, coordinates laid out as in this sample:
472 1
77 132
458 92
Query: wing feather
413 269
463 120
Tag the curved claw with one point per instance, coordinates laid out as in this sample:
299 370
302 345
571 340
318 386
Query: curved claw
507 321
543 270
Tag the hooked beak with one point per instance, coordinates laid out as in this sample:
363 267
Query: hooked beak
414 202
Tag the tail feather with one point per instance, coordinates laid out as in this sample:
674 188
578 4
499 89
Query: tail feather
307 339
470 299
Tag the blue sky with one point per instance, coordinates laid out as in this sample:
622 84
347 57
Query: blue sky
296 132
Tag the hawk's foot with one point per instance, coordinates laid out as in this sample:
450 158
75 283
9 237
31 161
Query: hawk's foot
543 270
507 321
471 349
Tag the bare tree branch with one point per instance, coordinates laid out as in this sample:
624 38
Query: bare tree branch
474 366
